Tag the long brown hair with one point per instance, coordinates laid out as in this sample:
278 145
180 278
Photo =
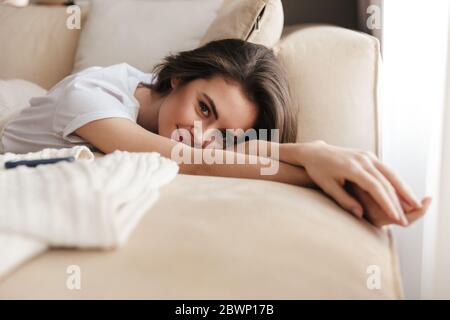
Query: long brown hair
254 67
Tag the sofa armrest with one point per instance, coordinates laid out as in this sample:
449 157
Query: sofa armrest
333 73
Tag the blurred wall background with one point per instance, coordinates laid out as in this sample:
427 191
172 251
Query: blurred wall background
343 12
361 15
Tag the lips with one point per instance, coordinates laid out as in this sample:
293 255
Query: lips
188 140
180 137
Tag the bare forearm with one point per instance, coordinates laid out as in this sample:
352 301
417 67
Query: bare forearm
269 149
113 134
248 166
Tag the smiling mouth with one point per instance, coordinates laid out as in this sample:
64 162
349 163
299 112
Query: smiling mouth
180 137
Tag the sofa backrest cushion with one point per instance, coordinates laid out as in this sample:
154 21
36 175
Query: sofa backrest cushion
36 44
334 79
141 32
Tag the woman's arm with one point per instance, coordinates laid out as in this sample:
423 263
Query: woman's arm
305 164
112 134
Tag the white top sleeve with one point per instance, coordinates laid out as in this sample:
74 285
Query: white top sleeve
91 94
84 102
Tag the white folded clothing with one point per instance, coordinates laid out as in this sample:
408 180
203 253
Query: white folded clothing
78 152
82 204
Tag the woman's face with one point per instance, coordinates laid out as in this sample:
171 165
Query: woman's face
209 103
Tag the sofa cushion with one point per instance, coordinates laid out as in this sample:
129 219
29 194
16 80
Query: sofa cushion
36 45
227 238
141 32
258 21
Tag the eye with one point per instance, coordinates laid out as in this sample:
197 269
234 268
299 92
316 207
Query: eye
204 109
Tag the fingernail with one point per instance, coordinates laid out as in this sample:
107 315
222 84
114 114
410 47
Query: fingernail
415 203
405 221
395 214
357 212
426 202
399 212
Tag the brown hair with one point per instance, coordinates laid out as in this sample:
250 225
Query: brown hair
254 67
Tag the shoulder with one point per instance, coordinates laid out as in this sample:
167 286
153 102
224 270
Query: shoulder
147 77
95 82
100 74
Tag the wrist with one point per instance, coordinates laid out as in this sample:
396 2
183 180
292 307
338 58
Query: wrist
297 153
307 151
288 153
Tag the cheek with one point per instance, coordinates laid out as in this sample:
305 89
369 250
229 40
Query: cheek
173 112
166 120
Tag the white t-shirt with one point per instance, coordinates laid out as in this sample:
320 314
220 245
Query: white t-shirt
91 94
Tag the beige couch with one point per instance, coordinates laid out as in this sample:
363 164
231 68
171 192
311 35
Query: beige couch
227 238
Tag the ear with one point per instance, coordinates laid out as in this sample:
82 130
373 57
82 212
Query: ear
174 82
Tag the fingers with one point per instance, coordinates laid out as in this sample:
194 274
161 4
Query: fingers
412 215
346 201
390 191
377 216
401 187
369 163
372 186
408 200
418 213
373 212
405 205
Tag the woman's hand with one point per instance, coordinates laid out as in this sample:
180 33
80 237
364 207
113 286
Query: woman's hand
331 167
375 215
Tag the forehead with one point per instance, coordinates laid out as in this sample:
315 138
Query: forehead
235 110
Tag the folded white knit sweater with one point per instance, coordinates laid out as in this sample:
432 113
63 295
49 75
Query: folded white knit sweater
83 204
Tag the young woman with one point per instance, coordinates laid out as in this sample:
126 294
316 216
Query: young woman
224 85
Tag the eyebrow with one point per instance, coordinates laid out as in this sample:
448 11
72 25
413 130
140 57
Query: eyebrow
213 106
